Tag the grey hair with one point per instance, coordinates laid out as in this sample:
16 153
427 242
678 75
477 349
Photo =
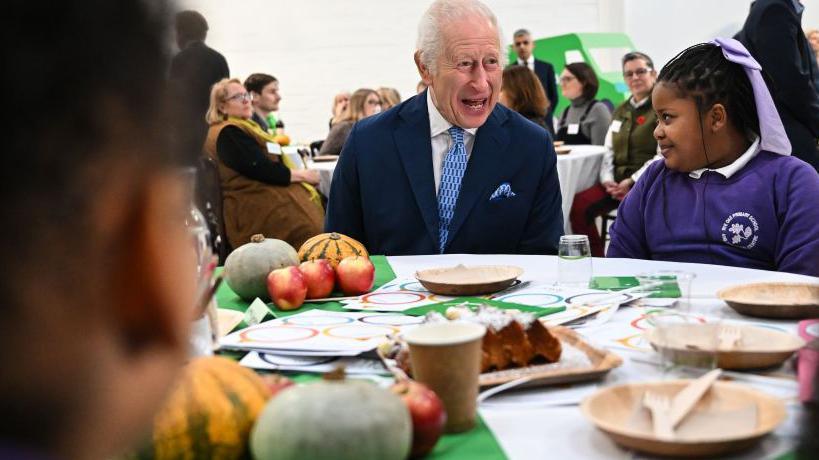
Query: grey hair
440 14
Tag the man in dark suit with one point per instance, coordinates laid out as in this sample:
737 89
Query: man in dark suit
449 170
193 71
773 34
524 45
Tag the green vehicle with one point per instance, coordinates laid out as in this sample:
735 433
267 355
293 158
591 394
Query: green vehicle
602 51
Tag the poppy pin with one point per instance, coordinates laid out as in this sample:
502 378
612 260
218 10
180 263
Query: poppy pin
641 119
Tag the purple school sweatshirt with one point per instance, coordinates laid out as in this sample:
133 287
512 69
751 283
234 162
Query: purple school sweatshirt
765 216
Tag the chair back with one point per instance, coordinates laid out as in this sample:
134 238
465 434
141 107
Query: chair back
209 201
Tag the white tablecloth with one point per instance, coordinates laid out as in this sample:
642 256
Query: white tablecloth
576 172
547 422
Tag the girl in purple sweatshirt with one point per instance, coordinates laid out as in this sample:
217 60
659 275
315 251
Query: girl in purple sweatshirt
727 192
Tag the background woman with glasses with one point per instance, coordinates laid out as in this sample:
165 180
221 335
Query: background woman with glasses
363 103
630 145
585 120
261 192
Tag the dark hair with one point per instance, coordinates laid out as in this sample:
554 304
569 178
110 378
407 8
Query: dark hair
634 55
257 81
586 76
520 32
524 91
702 73
191 25
87 90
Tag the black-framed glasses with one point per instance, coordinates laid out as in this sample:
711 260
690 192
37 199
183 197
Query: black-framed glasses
240 97
636 73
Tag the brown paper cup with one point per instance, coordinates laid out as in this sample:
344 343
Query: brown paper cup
447 358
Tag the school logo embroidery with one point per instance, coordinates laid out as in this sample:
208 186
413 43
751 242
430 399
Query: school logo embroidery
740 229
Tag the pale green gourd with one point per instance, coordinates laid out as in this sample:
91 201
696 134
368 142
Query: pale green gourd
333 420
247 267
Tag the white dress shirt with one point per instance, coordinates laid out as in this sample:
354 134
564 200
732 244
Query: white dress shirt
442 141
530 63
731 169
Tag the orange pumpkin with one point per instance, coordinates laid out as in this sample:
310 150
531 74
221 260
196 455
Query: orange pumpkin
331 246
209 414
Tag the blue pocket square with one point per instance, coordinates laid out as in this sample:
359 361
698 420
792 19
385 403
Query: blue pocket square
504 190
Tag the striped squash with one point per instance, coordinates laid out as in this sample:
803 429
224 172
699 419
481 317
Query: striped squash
209 414
331 246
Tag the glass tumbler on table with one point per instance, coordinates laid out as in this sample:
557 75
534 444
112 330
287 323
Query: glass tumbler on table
574 261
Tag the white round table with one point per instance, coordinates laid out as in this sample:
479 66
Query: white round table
546 422
576 171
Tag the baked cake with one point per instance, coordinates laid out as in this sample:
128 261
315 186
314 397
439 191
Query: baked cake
513 338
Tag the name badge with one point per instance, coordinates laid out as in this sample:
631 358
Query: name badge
573 128
274 148
615 126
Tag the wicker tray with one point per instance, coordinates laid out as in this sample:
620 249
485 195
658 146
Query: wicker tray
599 363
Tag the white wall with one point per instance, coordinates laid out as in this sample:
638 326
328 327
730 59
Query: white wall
318 47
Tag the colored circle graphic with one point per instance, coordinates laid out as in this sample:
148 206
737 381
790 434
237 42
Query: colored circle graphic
282 360
361 333
391 320
277 334
590 297
392 298
532 298
318 320
413 286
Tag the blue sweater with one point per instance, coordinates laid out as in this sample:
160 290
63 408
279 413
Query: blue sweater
765 216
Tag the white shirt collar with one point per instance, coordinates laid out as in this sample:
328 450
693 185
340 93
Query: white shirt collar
528 62
437 122
637 104
733 168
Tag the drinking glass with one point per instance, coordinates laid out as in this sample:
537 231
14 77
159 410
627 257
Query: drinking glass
574 261
682 335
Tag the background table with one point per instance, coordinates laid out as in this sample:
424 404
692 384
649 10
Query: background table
576 171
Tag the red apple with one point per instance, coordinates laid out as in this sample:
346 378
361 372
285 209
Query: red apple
320 278
427 412
276 383
287 287
356 275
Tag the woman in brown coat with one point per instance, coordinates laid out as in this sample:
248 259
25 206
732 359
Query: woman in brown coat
261 192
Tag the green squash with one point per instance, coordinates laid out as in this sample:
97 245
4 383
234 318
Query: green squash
333 420
247 267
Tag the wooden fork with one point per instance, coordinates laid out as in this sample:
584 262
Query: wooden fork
660 406
729 337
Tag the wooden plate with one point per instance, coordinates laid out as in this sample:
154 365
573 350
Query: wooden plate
600 361
617 411
464 281
774 300
325 158
758 347
563 150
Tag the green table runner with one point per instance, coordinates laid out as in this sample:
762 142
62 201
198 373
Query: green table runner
477 443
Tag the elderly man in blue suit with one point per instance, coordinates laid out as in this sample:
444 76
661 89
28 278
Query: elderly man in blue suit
450 170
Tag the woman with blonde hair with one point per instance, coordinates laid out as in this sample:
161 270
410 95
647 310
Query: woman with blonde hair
522 92
261 191
363 103
389 97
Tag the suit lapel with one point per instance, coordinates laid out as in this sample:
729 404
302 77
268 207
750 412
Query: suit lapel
486 160
412 136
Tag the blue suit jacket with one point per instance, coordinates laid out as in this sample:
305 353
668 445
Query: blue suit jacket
383 191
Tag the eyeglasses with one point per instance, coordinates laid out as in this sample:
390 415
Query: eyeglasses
567 78
522 42
241 97
637 73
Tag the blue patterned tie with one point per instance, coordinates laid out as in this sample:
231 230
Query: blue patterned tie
451 175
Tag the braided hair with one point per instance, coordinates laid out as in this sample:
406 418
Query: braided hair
702 73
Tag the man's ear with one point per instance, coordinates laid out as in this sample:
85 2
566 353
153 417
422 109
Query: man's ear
423 70
717 117
156 279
